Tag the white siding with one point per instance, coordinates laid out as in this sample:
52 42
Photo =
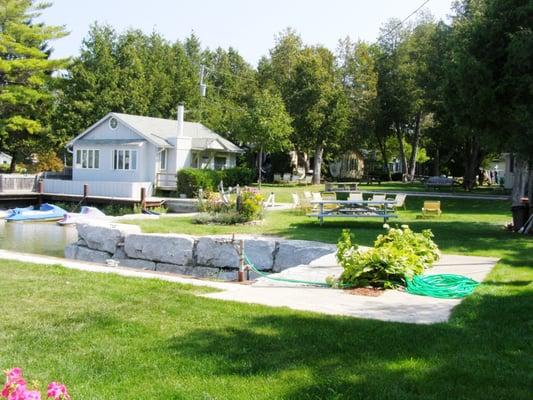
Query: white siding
107 189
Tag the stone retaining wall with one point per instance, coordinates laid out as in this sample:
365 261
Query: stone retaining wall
206 256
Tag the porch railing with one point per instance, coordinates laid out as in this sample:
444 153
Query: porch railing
165 180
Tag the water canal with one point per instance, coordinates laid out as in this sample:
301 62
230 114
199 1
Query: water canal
46 238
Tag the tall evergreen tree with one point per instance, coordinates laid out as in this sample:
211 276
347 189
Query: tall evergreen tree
25 78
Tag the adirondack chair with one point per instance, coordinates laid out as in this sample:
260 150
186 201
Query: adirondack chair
307 195
431 207
399 201
277 178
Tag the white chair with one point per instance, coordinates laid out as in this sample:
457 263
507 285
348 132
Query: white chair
399 201
355 196
316 196
286 178
307 195
277 178
295 200
378 197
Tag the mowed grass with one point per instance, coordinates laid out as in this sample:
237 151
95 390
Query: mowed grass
110 337
283 191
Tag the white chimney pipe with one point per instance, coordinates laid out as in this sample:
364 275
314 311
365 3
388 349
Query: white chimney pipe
181 112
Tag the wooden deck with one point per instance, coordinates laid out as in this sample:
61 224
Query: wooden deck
28 197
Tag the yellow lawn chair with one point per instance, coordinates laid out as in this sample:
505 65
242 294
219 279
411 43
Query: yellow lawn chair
431 207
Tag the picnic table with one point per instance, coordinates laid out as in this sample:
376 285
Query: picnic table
354 209
340 187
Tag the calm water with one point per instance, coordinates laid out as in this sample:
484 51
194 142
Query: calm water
46 238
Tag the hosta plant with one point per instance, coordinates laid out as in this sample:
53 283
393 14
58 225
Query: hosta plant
398 254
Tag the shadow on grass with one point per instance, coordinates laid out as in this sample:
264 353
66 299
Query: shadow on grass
355 358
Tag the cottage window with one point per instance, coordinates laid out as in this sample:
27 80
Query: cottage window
163 160
220 162
87 159
125 159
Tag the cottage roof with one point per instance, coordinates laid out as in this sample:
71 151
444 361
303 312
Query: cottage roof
161 131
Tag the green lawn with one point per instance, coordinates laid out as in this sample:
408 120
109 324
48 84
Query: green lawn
283 192
110 337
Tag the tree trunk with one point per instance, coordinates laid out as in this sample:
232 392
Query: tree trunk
317 167
403 158
415 143
260 166
305 160
13 165
436 163
520 181
471 163
383 150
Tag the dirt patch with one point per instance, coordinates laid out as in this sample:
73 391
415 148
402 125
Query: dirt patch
370 292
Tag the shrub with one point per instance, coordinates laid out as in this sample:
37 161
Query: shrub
190 180
241 176
398 254
251 204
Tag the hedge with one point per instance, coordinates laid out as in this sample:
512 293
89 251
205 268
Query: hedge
190 180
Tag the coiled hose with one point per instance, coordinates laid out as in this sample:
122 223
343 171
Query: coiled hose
442 286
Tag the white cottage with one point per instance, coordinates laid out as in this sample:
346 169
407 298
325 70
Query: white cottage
5 159
122 153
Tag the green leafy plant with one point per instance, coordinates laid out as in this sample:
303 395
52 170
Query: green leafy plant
191 180
248 206
397 254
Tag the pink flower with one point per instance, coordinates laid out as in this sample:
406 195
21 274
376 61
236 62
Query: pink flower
32 395
14 374
57 391
18 392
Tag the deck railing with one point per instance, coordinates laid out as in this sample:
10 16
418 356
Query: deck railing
165 180
18 182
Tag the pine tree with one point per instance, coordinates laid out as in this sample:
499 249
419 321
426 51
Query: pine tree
25 77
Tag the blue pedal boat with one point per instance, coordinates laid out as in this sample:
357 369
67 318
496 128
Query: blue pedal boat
46 212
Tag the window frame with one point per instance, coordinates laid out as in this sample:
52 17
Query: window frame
124 157
89 157
223 167
161 158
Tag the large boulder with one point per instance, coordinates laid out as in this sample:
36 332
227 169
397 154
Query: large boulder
217 252
296 252
260 252
200 272
104 236
163 248
137 264
173 268
76 252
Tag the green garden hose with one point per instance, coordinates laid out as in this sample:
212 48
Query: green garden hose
443 286
268 276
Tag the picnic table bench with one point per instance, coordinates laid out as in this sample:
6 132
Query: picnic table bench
340 187
354 209
439 181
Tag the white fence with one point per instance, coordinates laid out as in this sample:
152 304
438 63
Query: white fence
130 190
18 182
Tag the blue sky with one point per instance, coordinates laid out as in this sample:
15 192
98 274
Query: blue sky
249 26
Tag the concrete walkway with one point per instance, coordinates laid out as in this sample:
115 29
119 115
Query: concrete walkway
392 305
